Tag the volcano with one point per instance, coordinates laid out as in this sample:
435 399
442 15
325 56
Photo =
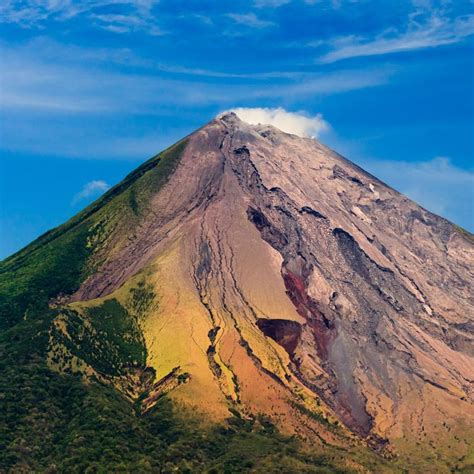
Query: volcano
251 275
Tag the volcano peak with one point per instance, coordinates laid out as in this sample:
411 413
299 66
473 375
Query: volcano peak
258 272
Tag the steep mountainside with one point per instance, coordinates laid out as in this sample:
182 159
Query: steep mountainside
256 281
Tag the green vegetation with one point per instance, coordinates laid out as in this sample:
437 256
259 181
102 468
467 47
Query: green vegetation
142 297
106 337
27 284
57 423
54 423
319 417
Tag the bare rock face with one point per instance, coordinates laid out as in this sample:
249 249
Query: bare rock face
288 276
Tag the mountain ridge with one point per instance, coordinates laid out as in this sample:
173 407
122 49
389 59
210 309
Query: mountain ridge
258 272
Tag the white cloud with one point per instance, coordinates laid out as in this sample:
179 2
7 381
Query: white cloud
141 20
270 3
138 14
93 188
437 30
290 122
250 19
76 95
336 4
437 184
44 76
328 83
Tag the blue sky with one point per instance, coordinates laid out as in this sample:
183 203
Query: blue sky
90 89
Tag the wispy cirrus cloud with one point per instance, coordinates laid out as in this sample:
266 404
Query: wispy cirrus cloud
270 3
49 53
436 30
79 97
121 23
30 13
250 20
336 4
90 189
33 81
127 16
75 90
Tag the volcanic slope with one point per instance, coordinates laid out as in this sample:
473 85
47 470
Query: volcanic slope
250 272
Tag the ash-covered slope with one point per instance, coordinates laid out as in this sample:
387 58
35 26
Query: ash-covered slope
262 273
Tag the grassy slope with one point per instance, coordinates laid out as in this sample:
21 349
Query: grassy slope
106 338
57 423
59 260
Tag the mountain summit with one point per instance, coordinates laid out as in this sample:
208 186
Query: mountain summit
249 274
